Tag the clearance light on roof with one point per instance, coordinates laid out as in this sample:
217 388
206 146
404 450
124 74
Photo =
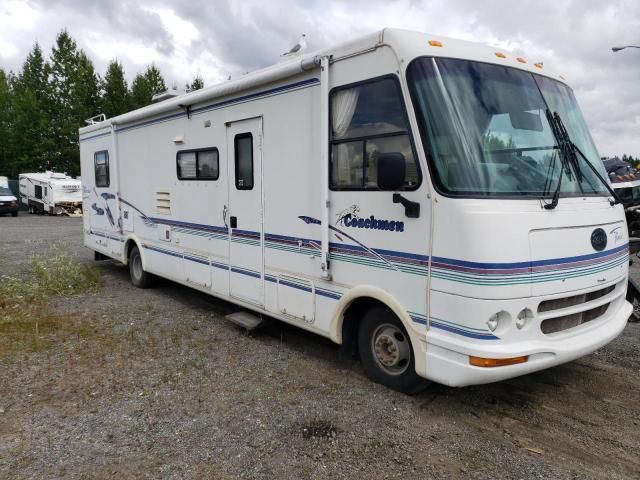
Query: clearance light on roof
562 78
521 60
538 65
435 43
500 55
496 362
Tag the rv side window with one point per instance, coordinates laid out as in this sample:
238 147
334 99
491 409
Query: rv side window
243 146
369 120
101 163
198 164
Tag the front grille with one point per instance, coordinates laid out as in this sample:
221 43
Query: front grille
558 324
558 303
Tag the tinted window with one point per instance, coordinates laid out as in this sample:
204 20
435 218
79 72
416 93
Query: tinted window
198 164
369 120
101 163
244 161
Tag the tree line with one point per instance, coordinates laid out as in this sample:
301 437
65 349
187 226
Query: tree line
43 105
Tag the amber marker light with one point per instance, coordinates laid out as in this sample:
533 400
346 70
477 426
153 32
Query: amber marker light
521 60
500 55
435 43
496 362
537 65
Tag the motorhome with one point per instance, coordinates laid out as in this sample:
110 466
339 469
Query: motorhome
435 205
51 192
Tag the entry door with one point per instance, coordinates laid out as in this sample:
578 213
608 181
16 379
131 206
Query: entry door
244 216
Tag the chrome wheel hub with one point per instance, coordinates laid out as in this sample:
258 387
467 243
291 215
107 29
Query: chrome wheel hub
391 349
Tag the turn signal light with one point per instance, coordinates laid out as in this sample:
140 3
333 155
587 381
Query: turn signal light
435 43
496 362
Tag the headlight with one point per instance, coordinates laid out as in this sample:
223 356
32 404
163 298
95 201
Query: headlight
498 320
524 317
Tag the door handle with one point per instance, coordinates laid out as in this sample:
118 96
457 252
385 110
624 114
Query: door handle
233 221
411 209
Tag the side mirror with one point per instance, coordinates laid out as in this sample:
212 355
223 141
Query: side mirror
391 171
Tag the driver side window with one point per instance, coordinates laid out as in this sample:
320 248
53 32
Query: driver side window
369 120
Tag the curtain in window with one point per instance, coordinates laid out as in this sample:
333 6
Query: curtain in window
343 108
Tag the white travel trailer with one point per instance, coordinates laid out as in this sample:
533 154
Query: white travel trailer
418 198
51 192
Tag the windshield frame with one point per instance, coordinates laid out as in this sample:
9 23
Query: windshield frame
428 149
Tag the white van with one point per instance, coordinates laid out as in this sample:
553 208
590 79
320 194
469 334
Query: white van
437 204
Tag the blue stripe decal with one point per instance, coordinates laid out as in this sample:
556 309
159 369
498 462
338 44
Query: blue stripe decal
332 295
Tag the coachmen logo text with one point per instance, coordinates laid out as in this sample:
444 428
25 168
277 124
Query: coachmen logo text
350 218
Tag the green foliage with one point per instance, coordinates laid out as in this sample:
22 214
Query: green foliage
48 100
196 84
54 272
145 86
26 319
115 99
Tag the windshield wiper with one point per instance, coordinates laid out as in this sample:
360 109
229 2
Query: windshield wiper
565 153
574 148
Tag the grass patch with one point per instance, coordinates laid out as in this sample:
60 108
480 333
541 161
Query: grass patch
27 322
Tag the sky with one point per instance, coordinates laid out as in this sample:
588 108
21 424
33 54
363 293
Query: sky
219 38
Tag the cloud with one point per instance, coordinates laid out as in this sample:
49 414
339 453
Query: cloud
222 38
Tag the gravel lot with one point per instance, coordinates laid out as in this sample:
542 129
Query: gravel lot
157 384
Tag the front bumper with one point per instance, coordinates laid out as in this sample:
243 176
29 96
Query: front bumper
448 363
8 209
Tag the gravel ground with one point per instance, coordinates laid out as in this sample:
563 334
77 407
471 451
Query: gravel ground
158 385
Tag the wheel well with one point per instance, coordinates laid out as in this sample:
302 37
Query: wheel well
351 321
128 246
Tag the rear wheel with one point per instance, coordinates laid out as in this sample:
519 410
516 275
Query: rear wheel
386 353
139 278
14 214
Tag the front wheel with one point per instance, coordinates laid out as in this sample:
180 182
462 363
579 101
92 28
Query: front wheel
139 278
386 353
635 314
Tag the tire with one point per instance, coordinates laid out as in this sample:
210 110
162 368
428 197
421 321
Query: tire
635 314
386 353
139 278
14 214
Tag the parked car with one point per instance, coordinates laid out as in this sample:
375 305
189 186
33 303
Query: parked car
8 202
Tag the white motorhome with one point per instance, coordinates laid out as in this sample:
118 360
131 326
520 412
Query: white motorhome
409 195
51 192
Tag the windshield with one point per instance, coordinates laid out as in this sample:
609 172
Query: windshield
4 191
486 132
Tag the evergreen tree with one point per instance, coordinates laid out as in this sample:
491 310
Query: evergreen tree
65 154
115 100
196 84
5 123
30 133
145 86
154 80
140 93
87 90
